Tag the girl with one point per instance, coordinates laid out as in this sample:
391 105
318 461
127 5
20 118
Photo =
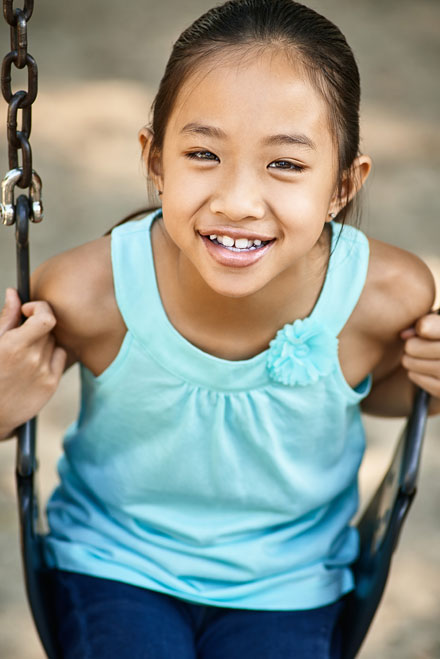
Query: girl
227 341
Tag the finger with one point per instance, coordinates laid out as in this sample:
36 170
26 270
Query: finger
426 382
10 314
428 327
423 366
51 357
422 348
58 362
39 323
46 346
36 307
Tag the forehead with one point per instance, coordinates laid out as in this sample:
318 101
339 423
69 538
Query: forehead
251 93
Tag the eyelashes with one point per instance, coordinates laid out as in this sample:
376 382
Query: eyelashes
201 155
283 164
287 166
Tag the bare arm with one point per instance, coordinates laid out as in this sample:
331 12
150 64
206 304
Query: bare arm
410 336
63 326
78 285
394 395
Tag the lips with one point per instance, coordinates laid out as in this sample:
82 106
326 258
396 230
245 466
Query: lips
235 257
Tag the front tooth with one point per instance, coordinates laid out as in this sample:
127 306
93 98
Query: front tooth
241 243
257 242
227 241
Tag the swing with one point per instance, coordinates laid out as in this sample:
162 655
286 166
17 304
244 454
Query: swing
380 525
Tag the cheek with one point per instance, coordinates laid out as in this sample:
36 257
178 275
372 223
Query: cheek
184 185
303 202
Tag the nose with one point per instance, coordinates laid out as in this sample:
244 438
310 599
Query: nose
238 197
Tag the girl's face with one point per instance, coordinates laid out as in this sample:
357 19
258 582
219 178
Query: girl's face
247 157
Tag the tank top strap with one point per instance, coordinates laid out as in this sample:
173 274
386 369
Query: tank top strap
134 276
345 278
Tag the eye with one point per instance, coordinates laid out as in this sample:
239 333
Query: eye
286 165
201 155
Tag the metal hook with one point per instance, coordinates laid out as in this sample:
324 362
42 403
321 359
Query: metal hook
35 194
7 205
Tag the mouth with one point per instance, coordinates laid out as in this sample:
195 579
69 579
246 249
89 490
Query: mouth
236 251
238 244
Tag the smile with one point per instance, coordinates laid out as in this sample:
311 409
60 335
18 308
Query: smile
236 252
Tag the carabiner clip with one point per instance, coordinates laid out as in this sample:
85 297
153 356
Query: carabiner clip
7 205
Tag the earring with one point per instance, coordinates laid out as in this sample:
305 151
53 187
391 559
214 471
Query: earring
159 192
332 215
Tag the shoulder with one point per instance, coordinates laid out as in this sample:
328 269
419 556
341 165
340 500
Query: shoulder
78 284
399 288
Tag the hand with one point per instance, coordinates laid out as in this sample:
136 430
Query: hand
422 356
31 364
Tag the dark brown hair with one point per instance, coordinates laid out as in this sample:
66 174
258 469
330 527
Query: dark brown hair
306 36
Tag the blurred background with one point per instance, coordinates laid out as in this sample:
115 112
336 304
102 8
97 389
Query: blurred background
99 66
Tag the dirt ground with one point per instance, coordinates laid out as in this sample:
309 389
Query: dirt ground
99 66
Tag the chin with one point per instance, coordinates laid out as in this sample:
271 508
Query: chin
231 289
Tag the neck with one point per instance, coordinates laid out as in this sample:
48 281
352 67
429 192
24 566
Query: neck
291 290
292 295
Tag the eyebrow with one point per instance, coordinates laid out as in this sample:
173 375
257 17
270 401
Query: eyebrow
297 139
280 139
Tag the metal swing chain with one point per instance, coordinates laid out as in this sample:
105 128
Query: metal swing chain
26 207
20 174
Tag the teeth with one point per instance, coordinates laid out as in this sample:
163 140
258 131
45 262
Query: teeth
241 243
227 241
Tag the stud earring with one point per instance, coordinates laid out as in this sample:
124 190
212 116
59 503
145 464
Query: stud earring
159 192
332 215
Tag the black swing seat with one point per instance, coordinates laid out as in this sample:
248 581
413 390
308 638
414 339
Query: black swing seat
379 530
380 527
36 575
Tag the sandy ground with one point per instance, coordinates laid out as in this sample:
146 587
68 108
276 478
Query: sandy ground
99 67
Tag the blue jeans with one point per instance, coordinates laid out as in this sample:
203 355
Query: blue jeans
104 619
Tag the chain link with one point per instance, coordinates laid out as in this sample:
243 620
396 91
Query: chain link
18 125
9 14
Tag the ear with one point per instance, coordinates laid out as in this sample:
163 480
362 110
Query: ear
153 165
353 180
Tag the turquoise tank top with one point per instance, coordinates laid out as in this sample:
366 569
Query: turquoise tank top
227 483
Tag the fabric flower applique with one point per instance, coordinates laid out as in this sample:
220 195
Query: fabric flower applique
301 353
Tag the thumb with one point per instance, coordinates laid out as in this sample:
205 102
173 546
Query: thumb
11 312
